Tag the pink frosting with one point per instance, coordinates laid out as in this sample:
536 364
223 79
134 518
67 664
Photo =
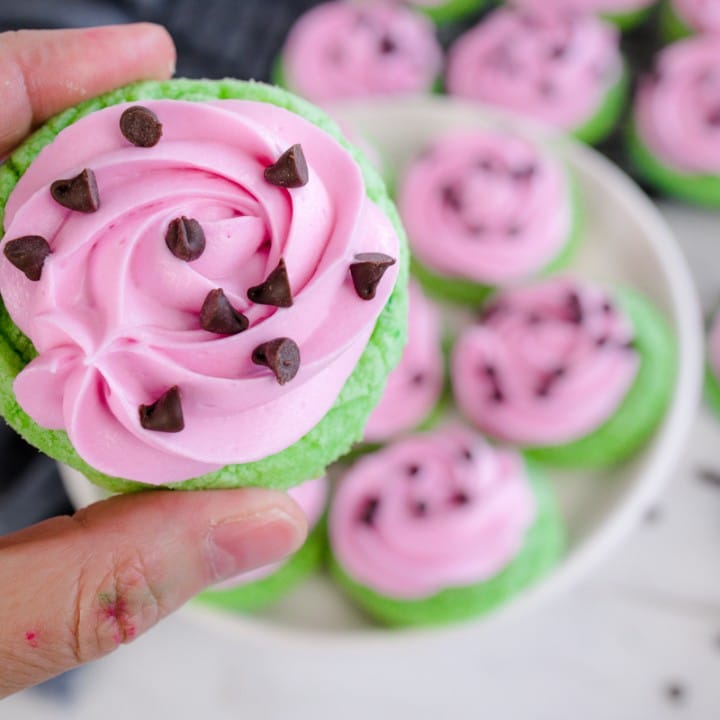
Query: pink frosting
547 364
343 49
500 204
703 15
311 496
601 6
555 67
714 346
677 110
115 316
431 512
414 387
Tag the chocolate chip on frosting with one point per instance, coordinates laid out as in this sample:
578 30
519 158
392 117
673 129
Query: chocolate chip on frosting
367 271
275 290
290 170
217 315
281 355
140 126
369 511
165 414
387 45
28 254
79 193
185 239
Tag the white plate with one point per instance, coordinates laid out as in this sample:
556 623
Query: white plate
628 242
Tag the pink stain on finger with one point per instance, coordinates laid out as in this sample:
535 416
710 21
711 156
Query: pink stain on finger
115 610
31 638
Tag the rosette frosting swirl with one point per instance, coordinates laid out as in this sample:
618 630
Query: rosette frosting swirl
344 49
115 316
702 15
554 66
414 386
486 206
431 512
677 111
546 365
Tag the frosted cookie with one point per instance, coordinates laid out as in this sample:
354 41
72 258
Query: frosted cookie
680 18
674 137
575 374
197 293
564 69
486 209
342 50
441 527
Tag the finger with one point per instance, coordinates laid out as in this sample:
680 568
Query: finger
45 71
74 588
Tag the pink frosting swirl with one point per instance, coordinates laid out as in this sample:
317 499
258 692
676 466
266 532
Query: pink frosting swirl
500 203
555 67
547 364
702 15
343 50
311 496
414 387
431 512
599 6
714 346
115 315
677 110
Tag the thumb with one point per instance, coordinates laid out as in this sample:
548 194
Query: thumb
74 588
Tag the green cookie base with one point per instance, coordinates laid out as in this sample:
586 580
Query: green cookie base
466 292
672 27
452 10
712 391
608 115
259 594
629 20
644 405
342 425
544 546
703 190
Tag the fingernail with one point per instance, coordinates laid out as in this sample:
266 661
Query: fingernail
236 546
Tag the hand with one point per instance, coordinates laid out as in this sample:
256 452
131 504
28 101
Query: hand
74 588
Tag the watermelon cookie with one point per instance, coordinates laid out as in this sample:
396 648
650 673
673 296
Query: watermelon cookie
625 14
680 18
415 386
564 69
348 50
712 384
674 139
576 375
197 293
443 11
441 527
258 588
485 209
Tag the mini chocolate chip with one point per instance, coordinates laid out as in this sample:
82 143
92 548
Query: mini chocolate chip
413 470
490 311
575 309
28 254
486 165
165 414
607 307
418 378
140 126
460 498
602 341
491 373
290 170
558 51
451 197
275 290
217 315
387 45
467 454
525 172
281 355
369 511
367 271
185 239
78 193
420 508
548 381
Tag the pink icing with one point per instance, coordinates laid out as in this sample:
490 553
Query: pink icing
601 6
677 110
547 364
342 50
555 67
311 496
703 15
115 316
431 512
414 387
486 206
714 346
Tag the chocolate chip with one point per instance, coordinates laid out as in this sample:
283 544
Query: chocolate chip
602 341
490 311
185 239
575 309
420 508
275 290
557 52
140 126
290 170
369 511
281 355
165 414
217 315
418 378
28 254
548 381
486 165
467 454
524 172
387 45
460 498
367 271
607 307
413 470
451 197
78 193
491 373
